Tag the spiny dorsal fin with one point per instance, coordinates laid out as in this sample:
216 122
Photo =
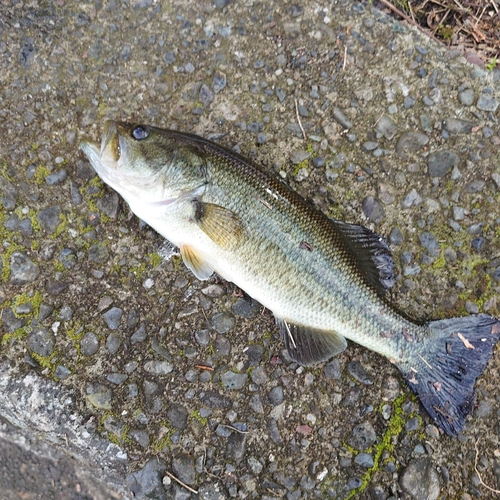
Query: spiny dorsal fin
195 262
371 253
308 346
220 224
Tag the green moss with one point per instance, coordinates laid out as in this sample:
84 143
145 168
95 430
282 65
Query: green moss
23 298
63 225
445 32
305 163
196 416
74 330
394 428
155 259
166 438
139 270
492 64
45 361
440 262
41 173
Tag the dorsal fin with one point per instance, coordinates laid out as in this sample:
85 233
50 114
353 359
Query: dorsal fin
371 253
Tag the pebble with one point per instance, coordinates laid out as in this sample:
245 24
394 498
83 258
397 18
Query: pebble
202 337
396 236
22 269
49 218
113 343
411 199
420 480
373 209
487 103
246 307
466 97
56 177
332 369
177 416
183 468
147 482
113 317
430 243
364 460
411 142
158 367
387 127
98 253
357 371
219 82
441 162
341 118
61 372
41 341
139 436
275 396
223 322
234 381
139 335
363 436
457 126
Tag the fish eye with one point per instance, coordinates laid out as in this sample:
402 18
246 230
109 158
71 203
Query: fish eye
140 132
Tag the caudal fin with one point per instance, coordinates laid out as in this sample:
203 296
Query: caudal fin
444 373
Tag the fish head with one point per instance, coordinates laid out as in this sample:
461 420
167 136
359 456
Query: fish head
143 162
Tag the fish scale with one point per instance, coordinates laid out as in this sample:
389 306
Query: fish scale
323 280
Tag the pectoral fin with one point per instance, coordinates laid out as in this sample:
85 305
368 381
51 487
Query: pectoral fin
195 262
307 346
220 224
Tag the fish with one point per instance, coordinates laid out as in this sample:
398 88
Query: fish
324 280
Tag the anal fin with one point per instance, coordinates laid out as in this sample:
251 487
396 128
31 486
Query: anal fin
195 262
308 346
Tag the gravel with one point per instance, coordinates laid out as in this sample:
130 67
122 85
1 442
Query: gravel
190 377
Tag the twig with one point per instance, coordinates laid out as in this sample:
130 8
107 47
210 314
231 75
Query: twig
234 428
344 64
180 482
409 19
298 119
477 472
204 367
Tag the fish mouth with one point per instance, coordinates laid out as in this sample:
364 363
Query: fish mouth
112 148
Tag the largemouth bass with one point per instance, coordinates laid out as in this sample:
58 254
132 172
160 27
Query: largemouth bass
324 280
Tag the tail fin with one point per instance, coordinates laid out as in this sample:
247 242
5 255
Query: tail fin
444 373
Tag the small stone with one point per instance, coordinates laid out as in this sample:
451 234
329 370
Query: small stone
256 405
223 322
98 253
332 369
457 126
396 236
183 468
41 341
22 269
274 433
441 162
49 218
387 127
113 342
117 378
100 399
373 209
235 448
357 371
363 436
178 416
222 345
297 157
109 204
466 97
369 146
56 177
430 243
219 82
113 317
147 482
246 307
139 436
341 118
420 480
202 337
158 367
487 103
259 375
139 336
276 395
411 199
364 460
233 381
61 372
